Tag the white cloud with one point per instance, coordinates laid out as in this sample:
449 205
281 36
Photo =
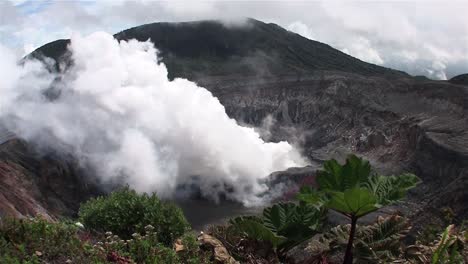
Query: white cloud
404 35
437 70
362 49
118 111
301 29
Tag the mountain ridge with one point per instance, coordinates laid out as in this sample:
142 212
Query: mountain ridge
235 49
460 79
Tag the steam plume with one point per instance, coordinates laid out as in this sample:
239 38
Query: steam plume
117 110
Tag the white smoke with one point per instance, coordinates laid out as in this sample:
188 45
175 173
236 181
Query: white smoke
117 110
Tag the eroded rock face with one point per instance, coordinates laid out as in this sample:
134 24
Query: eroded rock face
40 184
399 125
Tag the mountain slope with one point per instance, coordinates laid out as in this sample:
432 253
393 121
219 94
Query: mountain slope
34 183
255 48
460 79
330 103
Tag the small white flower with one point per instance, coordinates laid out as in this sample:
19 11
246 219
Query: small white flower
80 225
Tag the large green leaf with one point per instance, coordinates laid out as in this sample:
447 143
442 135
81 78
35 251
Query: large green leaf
330 177
309 215
296 222
277 216
353 190
355 171
256 230
311 196
389 189
283 224
336 177
356 202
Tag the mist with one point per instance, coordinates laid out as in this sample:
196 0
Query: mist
427 38
116 110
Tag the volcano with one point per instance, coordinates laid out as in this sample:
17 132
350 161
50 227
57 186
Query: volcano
329 102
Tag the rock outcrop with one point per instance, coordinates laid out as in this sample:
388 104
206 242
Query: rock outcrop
400 125
45 184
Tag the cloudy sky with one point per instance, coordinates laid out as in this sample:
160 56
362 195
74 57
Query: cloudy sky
421 37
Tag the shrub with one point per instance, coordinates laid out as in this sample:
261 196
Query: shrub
141 248
145 248
125 212
34 241
38 241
